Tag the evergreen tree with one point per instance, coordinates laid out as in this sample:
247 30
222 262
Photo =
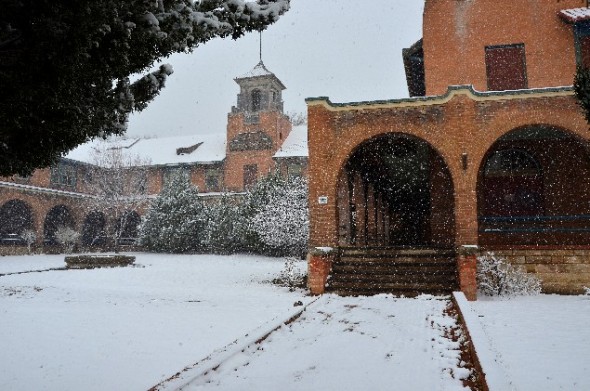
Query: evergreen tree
282 223
225 227
582 90
65 65
176 220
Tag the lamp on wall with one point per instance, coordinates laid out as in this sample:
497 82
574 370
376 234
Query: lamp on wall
464 160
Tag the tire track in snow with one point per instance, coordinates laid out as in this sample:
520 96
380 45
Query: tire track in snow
350 343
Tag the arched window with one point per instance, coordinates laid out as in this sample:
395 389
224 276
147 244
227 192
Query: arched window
256 99
511 162
513 184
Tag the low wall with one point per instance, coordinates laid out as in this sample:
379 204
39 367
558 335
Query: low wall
561 270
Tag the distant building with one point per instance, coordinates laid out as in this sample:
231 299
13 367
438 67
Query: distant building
259 140
490 154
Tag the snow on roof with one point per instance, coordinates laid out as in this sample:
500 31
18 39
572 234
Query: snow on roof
200 149
258 70
575 15
295 144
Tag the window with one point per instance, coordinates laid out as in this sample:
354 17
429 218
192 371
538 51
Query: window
506 67
250 175
511 162
64 175
170 173
582 42
294 170
212 182
138 181
512 184
256 100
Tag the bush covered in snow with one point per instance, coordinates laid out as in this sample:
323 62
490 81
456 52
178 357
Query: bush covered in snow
497 277
271 218
290 277
176 220
282 222
67 237
225 228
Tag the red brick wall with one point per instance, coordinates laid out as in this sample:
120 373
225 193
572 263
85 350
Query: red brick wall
275 125
457 32
464 124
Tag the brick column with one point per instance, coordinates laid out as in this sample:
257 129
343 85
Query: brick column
466 269
319 264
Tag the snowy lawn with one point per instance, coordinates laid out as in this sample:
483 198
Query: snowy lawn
540 342
18 264
350 343
129 328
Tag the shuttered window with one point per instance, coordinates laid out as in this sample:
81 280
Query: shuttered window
506 67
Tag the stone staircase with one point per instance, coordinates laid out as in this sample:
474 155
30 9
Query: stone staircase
401 271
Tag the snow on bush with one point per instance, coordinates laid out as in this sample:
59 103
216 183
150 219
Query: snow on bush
176 219
283 223
225 229
29 236
497 277
67 237
289 277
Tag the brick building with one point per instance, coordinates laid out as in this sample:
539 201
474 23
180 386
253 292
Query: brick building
490 153
259 139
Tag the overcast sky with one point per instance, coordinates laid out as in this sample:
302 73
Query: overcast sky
347 50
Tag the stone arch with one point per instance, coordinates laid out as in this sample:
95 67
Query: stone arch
16 216
395 189
533 188
57 216
93 229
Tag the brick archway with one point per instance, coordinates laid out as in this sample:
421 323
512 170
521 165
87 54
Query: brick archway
533 188
395 190
16 216
58 216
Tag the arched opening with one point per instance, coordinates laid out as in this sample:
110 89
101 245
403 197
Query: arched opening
256 100
128 228
534 189
15 218
93 230
396 190
58 216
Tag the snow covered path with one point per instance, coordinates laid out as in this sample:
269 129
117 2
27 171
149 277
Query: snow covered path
350 343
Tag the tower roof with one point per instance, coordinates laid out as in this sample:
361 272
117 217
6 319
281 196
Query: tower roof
259 70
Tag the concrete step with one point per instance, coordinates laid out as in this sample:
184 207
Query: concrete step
402 271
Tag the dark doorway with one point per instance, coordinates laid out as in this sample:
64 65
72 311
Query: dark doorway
396 191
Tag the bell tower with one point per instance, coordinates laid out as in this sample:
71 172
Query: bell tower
256 128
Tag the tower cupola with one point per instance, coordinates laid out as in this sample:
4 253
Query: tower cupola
260 90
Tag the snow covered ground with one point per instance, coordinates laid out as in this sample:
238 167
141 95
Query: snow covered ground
541 342
350 343
130 328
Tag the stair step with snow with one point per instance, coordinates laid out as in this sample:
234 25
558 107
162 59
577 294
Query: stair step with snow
402 271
